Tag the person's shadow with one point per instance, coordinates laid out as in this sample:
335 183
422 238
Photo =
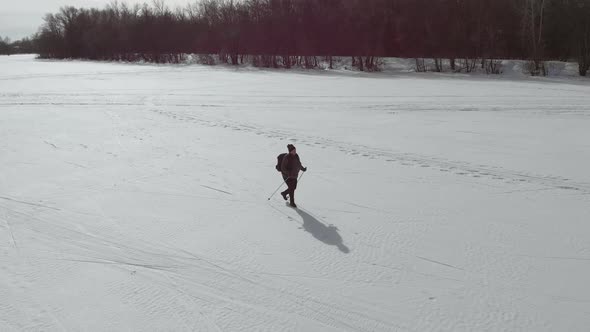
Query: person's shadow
327 234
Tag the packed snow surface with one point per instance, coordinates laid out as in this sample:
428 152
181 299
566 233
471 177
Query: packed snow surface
135 197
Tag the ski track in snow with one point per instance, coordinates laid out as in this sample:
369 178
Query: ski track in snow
213 282
407 159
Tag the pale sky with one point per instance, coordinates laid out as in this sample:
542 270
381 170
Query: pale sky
22 18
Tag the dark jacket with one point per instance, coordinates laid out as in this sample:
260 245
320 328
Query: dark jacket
291 166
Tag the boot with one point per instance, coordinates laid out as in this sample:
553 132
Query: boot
284 194
292 196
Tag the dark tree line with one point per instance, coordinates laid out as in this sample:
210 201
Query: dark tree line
284 33
25 45
568 31
5 47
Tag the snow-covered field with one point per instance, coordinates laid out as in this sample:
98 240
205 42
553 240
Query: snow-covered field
134 197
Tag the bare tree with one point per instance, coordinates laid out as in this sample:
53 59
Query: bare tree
579 20
532 23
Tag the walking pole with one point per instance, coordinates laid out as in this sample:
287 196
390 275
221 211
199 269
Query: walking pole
276 190
300 176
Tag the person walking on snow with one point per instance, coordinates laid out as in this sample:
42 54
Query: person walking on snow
290 168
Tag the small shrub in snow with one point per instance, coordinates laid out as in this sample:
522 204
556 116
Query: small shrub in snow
205 59
536 68
493 66
420 65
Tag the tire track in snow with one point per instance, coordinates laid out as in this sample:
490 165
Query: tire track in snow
74 75
28 203
264 294
127 255
218 190
292 299
10 231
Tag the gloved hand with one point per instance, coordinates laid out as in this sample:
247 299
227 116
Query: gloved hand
304 169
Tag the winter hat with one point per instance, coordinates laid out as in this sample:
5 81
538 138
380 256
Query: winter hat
291 147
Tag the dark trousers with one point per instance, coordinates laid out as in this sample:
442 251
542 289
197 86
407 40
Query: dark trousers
292 185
